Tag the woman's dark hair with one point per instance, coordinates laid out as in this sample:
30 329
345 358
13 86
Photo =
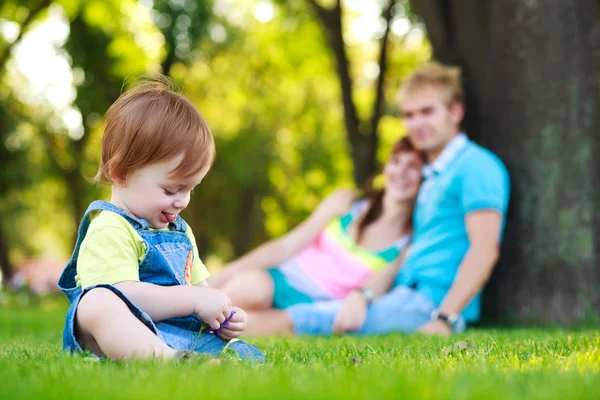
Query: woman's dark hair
374 196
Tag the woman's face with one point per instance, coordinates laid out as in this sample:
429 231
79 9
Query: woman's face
403 175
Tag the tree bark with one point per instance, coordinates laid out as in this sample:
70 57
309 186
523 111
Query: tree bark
541 116
457 31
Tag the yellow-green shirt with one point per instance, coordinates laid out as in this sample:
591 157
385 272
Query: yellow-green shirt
112 251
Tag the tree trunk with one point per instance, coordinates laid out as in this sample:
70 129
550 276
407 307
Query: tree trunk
5 265
250 219
541 117
457 31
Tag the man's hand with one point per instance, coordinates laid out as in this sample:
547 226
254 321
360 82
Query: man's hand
352 315
237 325
435 327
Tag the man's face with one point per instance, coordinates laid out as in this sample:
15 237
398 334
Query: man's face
431 122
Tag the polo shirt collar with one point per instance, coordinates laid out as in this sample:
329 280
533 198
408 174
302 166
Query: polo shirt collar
448 155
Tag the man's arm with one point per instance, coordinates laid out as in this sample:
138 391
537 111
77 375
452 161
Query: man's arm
483 229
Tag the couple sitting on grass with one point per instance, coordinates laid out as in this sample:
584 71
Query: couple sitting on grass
413 256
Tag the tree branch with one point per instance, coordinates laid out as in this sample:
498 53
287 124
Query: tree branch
332 23
319 9
30 18
382 62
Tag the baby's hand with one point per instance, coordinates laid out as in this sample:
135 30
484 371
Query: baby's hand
212 306
236 326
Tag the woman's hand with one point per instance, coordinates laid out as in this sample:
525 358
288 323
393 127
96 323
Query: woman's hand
352 315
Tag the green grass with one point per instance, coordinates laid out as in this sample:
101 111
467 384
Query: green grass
481 364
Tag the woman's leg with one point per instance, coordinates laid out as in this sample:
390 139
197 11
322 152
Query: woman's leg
251 290
269 323
106 327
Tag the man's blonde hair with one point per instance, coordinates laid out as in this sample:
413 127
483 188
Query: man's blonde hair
152 123
445 78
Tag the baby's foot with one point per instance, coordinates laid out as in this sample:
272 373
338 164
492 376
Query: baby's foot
182 356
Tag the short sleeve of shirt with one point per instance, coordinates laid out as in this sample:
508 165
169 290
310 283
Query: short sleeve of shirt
485 185
110 252
199 271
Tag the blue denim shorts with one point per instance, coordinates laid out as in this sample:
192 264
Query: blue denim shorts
176 337
402 309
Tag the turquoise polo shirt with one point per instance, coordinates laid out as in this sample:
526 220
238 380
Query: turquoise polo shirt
463 179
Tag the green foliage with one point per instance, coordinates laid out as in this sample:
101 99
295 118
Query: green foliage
183 24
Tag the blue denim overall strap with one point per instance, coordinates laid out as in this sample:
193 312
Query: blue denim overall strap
66 282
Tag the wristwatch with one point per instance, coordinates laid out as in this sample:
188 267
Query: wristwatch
368 294
450 320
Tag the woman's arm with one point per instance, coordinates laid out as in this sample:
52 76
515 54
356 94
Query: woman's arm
279 250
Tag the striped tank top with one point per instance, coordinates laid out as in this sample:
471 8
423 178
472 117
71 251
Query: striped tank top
334 264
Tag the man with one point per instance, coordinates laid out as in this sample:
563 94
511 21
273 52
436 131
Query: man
458 222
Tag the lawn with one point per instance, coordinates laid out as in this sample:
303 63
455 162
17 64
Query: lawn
490 364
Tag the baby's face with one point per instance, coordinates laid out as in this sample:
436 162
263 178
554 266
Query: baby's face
153 194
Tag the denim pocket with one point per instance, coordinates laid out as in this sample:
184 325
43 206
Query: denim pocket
176 255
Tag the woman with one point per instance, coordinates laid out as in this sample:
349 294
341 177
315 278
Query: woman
336 250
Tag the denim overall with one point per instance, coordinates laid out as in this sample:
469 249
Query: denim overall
163 264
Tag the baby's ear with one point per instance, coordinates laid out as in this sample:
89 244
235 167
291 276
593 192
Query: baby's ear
117 175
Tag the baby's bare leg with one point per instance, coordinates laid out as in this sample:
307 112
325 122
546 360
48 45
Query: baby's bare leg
106 327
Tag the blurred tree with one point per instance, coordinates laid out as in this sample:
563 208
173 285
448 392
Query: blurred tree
531 71
120 35
13 162
265 146
23 14
183 24
362 134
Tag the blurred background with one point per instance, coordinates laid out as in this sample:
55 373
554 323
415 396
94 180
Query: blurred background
299 95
